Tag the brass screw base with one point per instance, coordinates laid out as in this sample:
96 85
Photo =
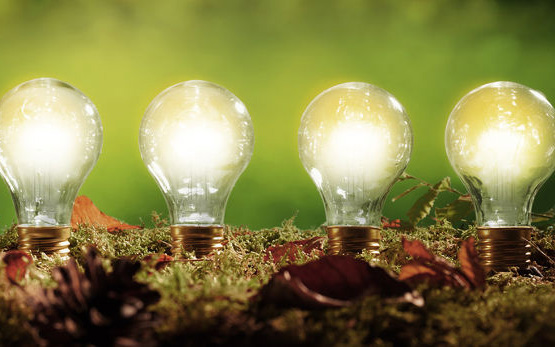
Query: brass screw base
352 240
202 240
502 247
50 240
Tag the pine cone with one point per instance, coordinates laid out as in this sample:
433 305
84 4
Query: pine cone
95 308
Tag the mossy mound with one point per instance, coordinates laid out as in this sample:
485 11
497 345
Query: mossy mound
210 302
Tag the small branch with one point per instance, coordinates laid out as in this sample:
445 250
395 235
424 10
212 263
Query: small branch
542 252
450 189
543 215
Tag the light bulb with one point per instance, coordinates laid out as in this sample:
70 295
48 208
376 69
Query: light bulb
500 139
355 139
196 139
50 139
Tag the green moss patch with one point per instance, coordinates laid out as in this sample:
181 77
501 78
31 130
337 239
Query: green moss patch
213 301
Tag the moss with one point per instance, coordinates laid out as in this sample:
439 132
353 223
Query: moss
211 301
8 240
13 316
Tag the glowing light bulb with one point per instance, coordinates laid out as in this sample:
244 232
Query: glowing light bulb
355 139
196 139
50 139
500 139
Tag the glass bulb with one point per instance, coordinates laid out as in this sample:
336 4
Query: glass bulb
355 139
196 138
50 139
500 139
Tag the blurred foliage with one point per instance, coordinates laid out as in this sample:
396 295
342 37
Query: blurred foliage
276 56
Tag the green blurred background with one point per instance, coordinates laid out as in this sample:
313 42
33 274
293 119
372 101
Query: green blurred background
276 56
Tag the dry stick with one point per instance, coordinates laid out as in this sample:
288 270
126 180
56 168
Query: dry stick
410 177
542 252
543 215
164 242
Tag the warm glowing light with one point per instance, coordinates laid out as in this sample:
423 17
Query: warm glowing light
45 146
355 139
501 150
50 139
196 139
360 147
206 144
500 139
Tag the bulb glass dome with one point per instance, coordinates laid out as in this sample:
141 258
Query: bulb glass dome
196 138
500 139
50 139
355 139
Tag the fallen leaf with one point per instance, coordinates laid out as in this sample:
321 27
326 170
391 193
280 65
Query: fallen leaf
416 249
290 250
333 281
85 212
390 224
470 264
158 261
425 267
16 265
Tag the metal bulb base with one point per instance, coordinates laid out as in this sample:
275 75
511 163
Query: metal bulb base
202 240
352 240
502 247
49 240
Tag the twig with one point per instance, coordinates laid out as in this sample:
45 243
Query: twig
410 177
543 215
542 252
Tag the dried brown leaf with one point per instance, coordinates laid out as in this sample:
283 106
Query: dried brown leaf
416 249
16 265
289 251
470 264
390 224
429 268
333 281
85 212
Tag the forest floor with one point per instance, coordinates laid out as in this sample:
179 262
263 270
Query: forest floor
217 301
